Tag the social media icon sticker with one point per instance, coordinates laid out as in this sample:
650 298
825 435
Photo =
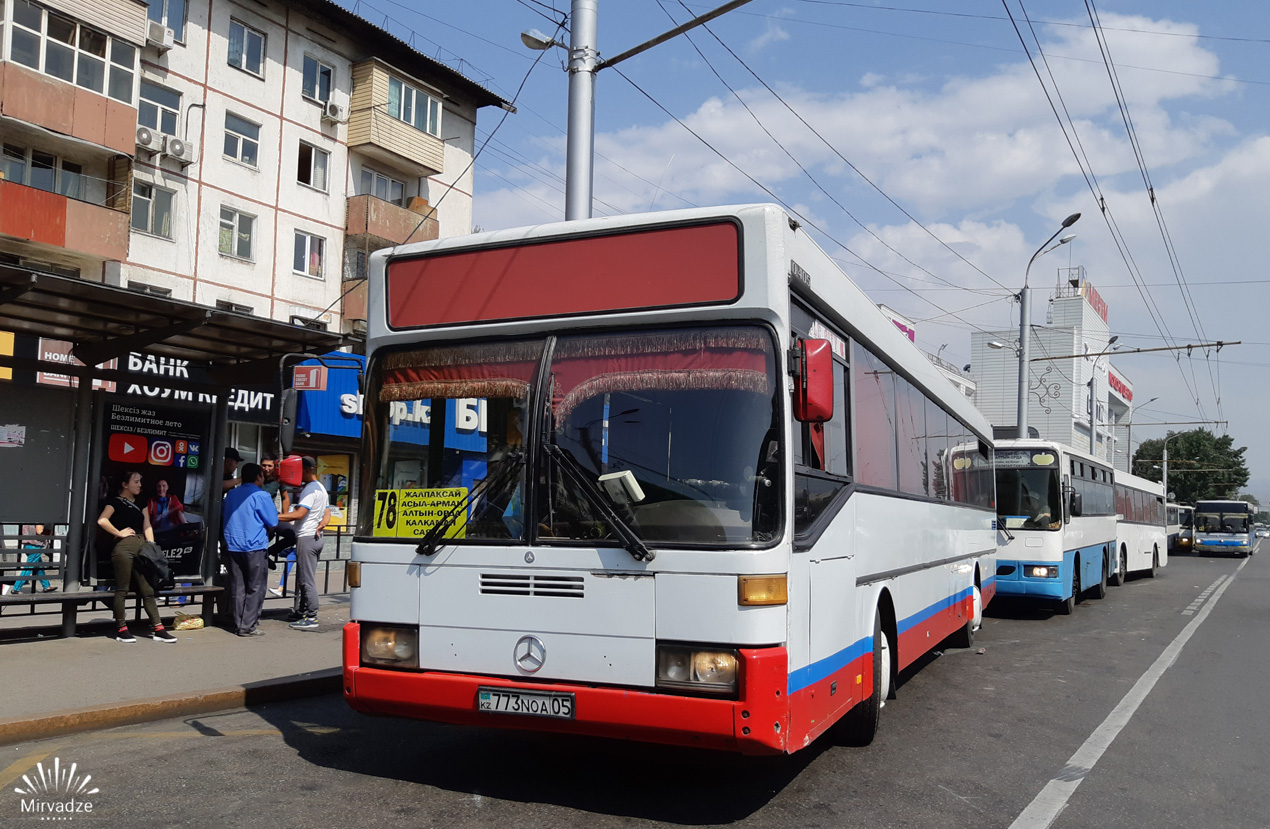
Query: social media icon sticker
126 448
182 447
191 461
180 460
193 447
161 453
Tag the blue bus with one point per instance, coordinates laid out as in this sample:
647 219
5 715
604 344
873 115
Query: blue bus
1224 527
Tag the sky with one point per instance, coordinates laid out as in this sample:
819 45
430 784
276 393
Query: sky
917 144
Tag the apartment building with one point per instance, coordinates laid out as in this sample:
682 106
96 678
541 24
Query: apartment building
246 155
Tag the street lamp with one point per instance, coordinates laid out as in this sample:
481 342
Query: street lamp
1129 434
1025 321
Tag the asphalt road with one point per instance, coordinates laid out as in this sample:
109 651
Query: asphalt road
1089 712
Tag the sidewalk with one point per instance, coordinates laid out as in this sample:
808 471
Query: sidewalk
92 681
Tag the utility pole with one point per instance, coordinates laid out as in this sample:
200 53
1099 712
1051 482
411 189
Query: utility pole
584 62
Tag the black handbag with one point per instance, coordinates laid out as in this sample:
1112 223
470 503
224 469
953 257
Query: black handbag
154 566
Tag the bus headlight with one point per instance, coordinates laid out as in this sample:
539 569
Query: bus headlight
390 645
1043 572
702 669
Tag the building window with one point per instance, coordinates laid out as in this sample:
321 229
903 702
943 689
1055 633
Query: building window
242 140
382 187
312 166
226 305
58 46
419 109
309 252
236 232
159 108
246 48
42 171
152 209
318 79
170 13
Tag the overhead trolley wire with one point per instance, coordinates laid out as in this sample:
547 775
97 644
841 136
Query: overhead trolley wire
1090 182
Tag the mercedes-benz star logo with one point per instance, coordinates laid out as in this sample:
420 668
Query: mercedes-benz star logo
530 653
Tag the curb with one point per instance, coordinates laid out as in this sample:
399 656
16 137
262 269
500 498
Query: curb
100 717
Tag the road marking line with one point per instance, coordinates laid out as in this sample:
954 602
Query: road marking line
1052 800
18 768
1199 600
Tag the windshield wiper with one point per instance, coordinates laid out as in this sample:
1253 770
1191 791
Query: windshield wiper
596 497
509 465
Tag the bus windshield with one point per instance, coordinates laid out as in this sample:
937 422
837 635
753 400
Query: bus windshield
671 434
1221 522
687 416
1029 499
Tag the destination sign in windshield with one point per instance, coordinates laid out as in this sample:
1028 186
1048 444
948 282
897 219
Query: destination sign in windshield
1025 459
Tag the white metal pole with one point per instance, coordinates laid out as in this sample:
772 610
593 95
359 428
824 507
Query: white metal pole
579 169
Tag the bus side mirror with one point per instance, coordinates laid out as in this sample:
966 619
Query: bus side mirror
813 384
1078 504
286 420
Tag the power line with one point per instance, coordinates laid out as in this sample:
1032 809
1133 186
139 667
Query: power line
790 155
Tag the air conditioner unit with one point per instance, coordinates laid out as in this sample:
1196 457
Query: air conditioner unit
332 111
149 140
159 36
178 149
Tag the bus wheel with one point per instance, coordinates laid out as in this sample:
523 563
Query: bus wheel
964 637
859 726
1122 567
1099 590
1155 562
1068 606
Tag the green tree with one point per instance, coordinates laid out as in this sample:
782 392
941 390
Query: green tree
1201 465
1250 498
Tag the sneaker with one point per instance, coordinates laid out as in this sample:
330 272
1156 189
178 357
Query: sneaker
273 591
253 632
294 617
307 623
125 636
162 635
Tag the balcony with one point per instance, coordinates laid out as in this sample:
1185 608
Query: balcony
376 134
374 223
48 221
28 96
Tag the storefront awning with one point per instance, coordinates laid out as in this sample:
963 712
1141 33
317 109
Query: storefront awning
105 322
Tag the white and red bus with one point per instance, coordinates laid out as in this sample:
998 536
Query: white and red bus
668 477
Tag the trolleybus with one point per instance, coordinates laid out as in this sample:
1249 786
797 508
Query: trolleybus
1141 539
1186 528
670 477
1056 512
1224 527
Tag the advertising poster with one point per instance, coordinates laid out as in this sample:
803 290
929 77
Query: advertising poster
167 444
332 471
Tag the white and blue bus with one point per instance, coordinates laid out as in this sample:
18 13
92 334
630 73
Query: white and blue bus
683 482
1141 532
1224 527
1056 514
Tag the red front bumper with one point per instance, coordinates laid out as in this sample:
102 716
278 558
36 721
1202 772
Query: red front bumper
757 723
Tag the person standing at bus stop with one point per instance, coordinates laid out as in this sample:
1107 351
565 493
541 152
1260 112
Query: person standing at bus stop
310 515
248 514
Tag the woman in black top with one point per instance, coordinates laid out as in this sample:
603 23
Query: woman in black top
127 520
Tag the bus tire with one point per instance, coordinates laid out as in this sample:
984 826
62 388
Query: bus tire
1155 562
1122 567
964 637
1099 590
1068 606
859 726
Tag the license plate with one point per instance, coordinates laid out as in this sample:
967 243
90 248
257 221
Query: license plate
530 703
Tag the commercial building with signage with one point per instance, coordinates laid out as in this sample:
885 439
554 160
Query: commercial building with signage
1083 401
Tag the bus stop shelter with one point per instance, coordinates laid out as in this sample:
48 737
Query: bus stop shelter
204 356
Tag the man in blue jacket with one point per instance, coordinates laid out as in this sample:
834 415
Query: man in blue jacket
248 513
